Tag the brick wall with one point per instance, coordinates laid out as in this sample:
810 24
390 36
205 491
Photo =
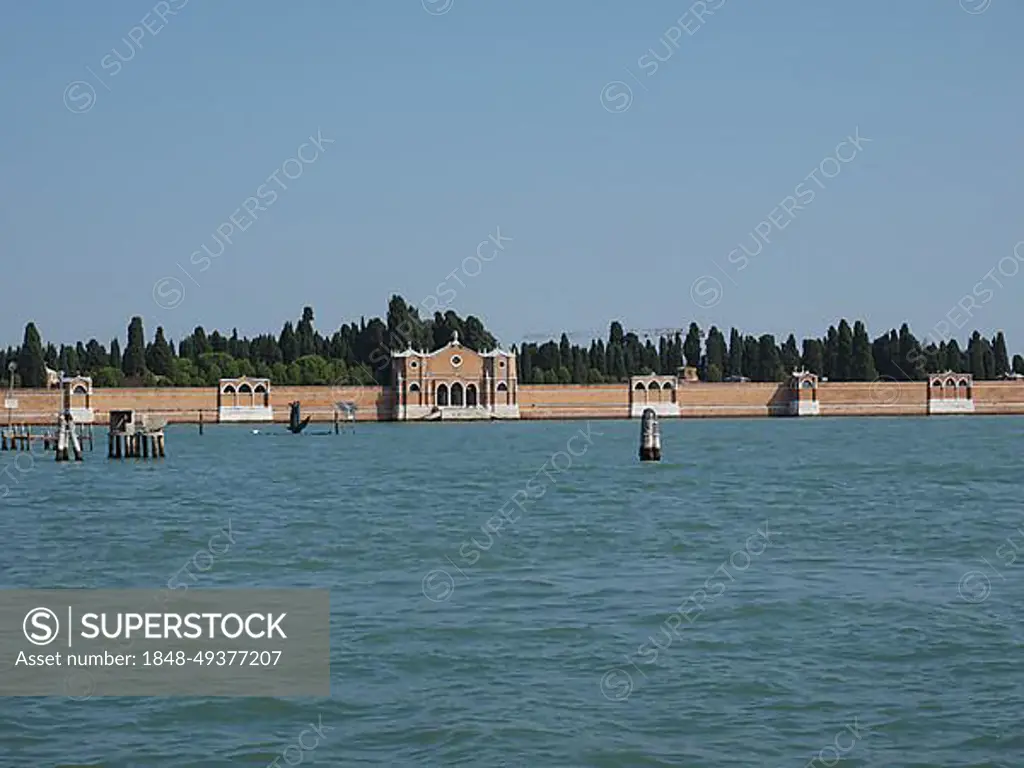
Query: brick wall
695 400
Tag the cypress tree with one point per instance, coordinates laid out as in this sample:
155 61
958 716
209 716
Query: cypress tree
751 359
735 364
716 354
1001 363
1018 365
790 355
160 359
844 353
832 354
976 356
813 358
955 358
691 347
768 355
135 353
31 365
115 355
290 345
863 365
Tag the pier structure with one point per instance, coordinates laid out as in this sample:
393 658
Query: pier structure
950 393
455 383
657 393
803 387
244 400
135 436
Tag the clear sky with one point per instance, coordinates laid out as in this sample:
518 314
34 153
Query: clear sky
452 119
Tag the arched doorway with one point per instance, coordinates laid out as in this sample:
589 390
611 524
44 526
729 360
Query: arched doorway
471 395
456 394
442 394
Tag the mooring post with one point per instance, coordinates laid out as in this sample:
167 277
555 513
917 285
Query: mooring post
650 437
200 422
335 422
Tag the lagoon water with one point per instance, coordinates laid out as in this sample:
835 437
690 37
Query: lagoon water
876 619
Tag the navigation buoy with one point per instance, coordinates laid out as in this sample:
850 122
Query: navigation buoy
650 436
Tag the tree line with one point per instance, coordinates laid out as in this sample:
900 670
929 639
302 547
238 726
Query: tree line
359 354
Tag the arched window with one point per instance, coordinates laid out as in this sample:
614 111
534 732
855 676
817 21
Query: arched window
229 390
471 394
502 387
442 394
639 386
79 389
456 394
414 387
654 385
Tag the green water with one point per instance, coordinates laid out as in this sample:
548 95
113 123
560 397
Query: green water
861 599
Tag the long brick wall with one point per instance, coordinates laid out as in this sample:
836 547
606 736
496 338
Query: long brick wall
696 400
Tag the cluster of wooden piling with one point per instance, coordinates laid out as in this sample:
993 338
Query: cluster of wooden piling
135 436
68 443
16 438
140 445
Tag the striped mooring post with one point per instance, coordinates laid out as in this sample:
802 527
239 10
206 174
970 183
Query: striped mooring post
67 439
650 436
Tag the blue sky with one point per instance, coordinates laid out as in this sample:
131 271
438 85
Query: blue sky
486 116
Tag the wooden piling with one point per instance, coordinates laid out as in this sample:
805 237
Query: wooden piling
200 422
650 436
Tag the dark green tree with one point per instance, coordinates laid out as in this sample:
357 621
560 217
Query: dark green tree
813 358
716 354
289 344
134 364
115 360
159 358
790 355
735 363
771 364
863 363
691 347
1001 362
31 366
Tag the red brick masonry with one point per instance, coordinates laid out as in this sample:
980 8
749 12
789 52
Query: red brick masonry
602 401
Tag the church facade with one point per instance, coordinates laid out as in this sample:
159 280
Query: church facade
455 383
